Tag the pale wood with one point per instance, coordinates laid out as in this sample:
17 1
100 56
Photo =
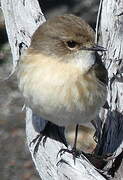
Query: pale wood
22 17
111 35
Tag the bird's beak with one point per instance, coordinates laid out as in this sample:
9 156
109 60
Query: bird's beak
94 48
98 48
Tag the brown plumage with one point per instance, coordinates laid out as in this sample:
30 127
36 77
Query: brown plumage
61 75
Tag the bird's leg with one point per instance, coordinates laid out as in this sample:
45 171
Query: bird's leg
52 131
75 139
73 151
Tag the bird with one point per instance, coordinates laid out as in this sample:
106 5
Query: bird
61 74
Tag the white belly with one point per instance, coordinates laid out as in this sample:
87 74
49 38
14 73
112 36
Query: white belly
60 92
62 110
63 100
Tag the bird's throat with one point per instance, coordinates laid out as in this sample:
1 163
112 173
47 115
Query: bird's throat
84 60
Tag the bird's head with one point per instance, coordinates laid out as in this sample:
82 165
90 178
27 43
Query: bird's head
68 38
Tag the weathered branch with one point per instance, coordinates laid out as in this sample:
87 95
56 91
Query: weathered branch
22 17
111 33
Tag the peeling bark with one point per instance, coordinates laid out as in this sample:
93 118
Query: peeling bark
111 34
22 18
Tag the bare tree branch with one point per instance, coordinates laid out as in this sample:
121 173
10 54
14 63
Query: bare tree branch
22 18
111 32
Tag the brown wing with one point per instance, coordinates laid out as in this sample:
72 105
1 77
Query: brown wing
100 70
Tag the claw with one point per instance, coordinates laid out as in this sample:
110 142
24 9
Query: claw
38 138
73 151
37 145
34 140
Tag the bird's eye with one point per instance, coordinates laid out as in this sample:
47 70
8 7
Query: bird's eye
71 44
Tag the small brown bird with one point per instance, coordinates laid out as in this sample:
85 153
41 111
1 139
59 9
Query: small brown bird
61 75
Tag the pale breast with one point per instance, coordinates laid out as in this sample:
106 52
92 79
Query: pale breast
60 93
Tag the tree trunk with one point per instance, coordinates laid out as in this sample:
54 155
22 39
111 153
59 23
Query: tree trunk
110 37
22 18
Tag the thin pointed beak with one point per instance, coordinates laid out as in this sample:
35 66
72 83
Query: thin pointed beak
98 48
94 48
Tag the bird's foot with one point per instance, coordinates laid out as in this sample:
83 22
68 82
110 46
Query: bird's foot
73 151
37 141
52 131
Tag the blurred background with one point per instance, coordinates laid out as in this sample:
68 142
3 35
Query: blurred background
15 160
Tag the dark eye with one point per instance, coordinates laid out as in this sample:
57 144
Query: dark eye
71 44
